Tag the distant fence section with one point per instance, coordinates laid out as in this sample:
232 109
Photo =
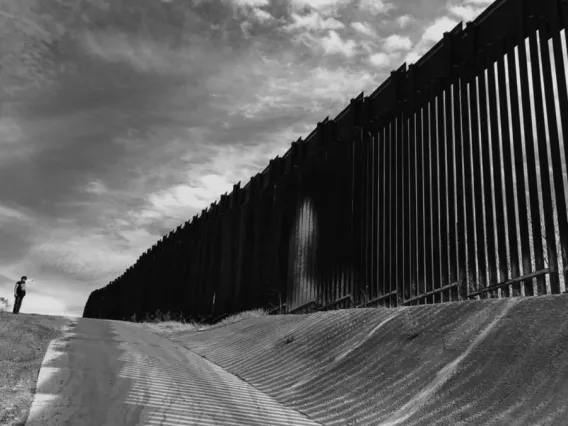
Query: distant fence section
446 183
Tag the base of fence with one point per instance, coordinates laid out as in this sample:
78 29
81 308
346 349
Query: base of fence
378 299
430 293
337 302
277 309
306 307
512 281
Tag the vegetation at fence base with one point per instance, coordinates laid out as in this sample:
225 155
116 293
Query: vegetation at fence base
168 322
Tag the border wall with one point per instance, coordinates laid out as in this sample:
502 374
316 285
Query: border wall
444 184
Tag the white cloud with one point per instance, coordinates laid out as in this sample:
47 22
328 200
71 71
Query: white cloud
431 35
404 20
136 237
245 28
468 12
27 25
245 5
376 7
397 42
314 22
363 28
288 87
411 58
174 201
96 187
435 32
479 2
381 60
324 7
206 182
333 44
470 9
10 131
251 8
262 15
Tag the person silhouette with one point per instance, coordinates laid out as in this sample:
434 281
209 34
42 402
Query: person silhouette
19 293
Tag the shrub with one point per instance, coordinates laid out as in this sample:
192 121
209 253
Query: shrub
5 304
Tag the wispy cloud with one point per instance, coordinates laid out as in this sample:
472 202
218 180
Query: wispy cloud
8 213
84 257
13 146
144 55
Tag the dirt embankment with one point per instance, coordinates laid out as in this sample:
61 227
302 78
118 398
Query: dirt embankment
496 362
23 342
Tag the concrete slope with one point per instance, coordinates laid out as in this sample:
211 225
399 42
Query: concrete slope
113 373
497 362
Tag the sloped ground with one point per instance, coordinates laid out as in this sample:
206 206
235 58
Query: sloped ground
23 342
113 373
496 362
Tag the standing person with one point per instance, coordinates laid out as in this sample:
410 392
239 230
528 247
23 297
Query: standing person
19 293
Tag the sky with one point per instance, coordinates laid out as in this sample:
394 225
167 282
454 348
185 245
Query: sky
121 119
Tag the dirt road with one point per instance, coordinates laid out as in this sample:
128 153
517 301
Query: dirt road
113 373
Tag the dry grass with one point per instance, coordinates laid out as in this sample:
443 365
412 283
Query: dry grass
255 313
24 338
170 327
